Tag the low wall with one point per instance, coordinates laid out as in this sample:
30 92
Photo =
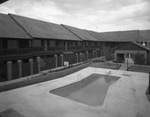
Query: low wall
41 78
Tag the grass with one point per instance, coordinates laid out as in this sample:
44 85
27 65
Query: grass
106 65
139 69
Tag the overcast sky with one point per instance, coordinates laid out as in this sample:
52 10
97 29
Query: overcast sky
97 15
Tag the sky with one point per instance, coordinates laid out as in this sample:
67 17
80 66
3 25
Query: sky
96 15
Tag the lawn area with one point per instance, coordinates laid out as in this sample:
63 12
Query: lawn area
105 65
139 69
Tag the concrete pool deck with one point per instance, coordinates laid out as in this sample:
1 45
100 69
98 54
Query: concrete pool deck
125 98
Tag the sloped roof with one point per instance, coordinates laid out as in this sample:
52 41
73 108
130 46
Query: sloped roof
83 34
132 46
144 35
10 29
110 36
128 36
97 35
45 30
2 1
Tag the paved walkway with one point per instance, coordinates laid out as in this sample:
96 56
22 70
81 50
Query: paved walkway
124 66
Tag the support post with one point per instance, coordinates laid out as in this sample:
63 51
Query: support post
62 60
56 57
20 68
31 66
80 57
93 53
77 57
9 70
87 55
45 45
39 63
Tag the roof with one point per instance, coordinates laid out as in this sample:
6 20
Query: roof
144 35
2 1
10 29
96 34
128 36
132 46
44 30
83 34
110 36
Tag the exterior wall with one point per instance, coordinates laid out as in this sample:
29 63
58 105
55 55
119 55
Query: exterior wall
25 50
130 52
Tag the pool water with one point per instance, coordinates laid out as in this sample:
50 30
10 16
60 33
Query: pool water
91 90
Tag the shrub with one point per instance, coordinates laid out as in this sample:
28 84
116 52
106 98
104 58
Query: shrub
139 59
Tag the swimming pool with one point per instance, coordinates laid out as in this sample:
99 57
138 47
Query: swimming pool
90 91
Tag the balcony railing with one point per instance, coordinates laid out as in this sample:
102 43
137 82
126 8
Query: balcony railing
16 51
92 46
74 47
38 49
56 48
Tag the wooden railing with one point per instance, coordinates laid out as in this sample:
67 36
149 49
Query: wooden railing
92 46
56 48
38 49
74 47
16 51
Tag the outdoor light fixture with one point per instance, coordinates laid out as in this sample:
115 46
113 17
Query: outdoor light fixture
144 44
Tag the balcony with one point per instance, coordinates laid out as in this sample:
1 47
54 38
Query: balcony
38 49
92 47
74 47
56 48
16 51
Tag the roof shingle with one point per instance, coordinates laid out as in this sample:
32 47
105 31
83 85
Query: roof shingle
10 29
128 36
83 34
45 30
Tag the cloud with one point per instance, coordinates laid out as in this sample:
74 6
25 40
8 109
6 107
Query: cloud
100 15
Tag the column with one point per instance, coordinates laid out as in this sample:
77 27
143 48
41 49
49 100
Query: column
45 45
20 68
9 70
80 57
56 57
31 66
87 55
66 45
62 60
93 53
39 63
77 57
